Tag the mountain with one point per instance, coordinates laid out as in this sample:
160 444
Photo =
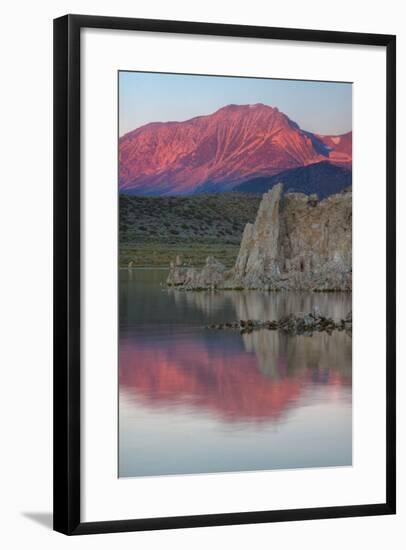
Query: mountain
219 151
322 178
340 148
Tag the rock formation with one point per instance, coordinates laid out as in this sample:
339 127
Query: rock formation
296 243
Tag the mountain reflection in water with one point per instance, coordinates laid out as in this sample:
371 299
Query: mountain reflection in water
258 381
178 379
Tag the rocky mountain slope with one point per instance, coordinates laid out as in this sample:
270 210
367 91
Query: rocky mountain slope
219 151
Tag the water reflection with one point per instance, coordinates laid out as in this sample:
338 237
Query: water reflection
320 353
259 380
252 304
192 378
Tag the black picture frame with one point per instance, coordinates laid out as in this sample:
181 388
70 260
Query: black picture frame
67 254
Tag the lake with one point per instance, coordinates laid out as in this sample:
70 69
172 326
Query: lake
194 400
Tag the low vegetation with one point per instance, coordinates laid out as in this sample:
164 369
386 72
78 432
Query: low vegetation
153 230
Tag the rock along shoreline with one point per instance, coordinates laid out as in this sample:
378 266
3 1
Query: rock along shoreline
296 243
301 324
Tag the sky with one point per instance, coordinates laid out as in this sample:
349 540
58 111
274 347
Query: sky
319 107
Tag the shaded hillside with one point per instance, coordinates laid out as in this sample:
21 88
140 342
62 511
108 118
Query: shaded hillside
155 229
323 178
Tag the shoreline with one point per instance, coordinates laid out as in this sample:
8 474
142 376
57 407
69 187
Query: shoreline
226 290
134 268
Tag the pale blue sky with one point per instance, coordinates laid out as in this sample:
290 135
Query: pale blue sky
320 107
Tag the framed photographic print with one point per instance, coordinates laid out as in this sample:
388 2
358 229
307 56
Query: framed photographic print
224 302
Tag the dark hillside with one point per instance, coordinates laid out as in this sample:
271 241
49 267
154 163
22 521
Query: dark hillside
323 178
154 229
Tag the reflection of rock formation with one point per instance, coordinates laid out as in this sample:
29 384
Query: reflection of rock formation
296 242
206 301
218 376
319 352
264 306
327 351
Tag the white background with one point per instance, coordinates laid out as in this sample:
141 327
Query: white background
364 482
26 273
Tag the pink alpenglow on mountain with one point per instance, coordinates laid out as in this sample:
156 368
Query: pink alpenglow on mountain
221 150
340 148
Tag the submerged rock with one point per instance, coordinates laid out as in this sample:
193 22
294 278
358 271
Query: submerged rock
297 242
303 323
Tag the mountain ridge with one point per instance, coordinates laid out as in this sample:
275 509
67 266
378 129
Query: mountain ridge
234 144
322 178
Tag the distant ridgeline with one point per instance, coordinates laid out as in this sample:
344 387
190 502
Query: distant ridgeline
323 179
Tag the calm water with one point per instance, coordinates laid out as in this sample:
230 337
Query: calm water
193 400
